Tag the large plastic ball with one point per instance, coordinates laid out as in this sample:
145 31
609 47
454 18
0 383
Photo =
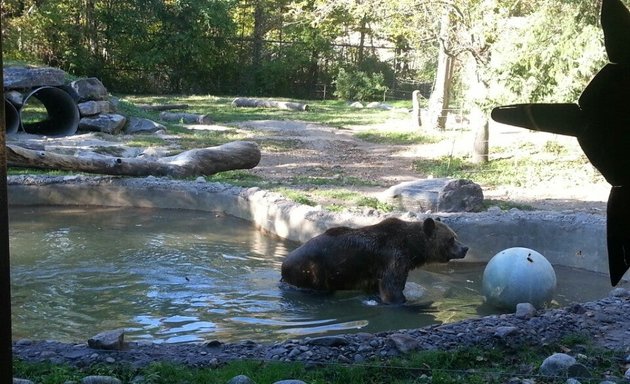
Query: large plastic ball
518 275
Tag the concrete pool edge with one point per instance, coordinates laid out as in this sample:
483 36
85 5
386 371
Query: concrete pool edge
571 239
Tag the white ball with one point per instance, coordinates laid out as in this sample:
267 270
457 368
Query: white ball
518 275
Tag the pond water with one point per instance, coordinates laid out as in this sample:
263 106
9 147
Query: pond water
188 276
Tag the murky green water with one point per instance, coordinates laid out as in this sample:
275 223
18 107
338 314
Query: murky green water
187 276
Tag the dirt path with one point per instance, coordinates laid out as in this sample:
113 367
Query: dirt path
307 150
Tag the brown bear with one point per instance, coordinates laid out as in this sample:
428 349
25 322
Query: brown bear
376 258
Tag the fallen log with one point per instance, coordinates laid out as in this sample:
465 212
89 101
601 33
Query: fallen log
186 118
259 103
195 162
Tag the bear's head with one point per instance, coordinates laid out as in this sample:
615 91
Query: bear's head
442 242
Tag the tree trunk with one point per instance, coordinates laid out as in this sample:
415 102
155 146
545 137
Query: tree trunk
481 146
195 162
438 101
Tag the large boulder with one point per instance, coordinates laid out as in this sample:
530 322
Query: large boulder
435 195
31 77
140 125
89 88
106 123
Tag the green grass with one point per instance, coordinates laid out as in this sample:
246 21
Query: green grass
465 365
519 172
329 112
396 138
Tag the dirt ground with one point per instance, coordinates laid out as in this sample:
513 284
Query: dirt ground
321 151
298 150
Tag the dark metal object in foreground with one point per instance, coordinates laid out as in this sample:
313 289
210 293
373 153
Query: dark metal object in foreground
601 122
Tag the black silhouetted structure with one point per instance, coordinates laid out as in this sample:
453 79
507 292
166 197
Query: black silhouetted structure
601 122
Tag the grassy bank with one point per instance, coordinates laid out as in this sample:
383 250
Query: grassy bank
470 365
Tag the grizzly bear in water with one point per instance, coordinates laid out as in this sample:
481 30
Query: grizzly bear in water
376 258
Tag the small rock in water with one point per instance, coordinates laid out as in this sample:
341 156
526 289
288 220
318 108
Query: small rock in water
110 340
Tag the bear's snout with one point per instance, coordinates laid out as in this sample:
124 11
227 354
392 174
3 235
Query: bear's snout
459 251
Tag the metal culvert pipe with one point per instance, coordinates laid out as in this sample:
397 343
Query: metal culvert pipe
62 113
11 117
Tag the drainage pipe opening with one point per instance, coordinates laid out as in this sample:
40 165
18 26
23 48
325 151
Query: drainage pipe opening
56 114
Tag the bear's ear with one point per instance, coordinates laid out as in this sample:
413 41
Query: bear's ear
438 219
428 227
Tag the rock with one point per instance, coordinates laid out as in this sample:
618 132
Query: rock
31 77
436 195
89 89
377 105
110 340
291 381
572 381
525 311
241 379
140 125
626 375
461 196
404 343
557 364
356 104
503 332
186 118
15 98
106 123
95 107
579 370
328 341
21 381
100 380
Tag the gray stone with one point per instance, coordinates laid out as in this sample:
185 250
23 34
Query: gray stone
140 125
291 381
525 311
502 332
186 118
110 340
100 380
557 364
579 370
404 343
21 381
29 77
106 123
460 196
241 379
95 107
572 381
328 341
89 89
435 195
357 104
15 98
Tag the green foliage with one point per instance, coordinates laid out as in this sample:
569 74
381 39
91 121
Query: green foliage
359 85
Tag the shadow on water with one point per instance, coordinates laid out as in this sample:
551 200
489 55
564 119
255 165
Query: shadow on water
187 276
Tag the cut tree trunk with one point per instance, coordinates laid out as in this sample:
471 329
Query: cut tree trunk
258 103
195 162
